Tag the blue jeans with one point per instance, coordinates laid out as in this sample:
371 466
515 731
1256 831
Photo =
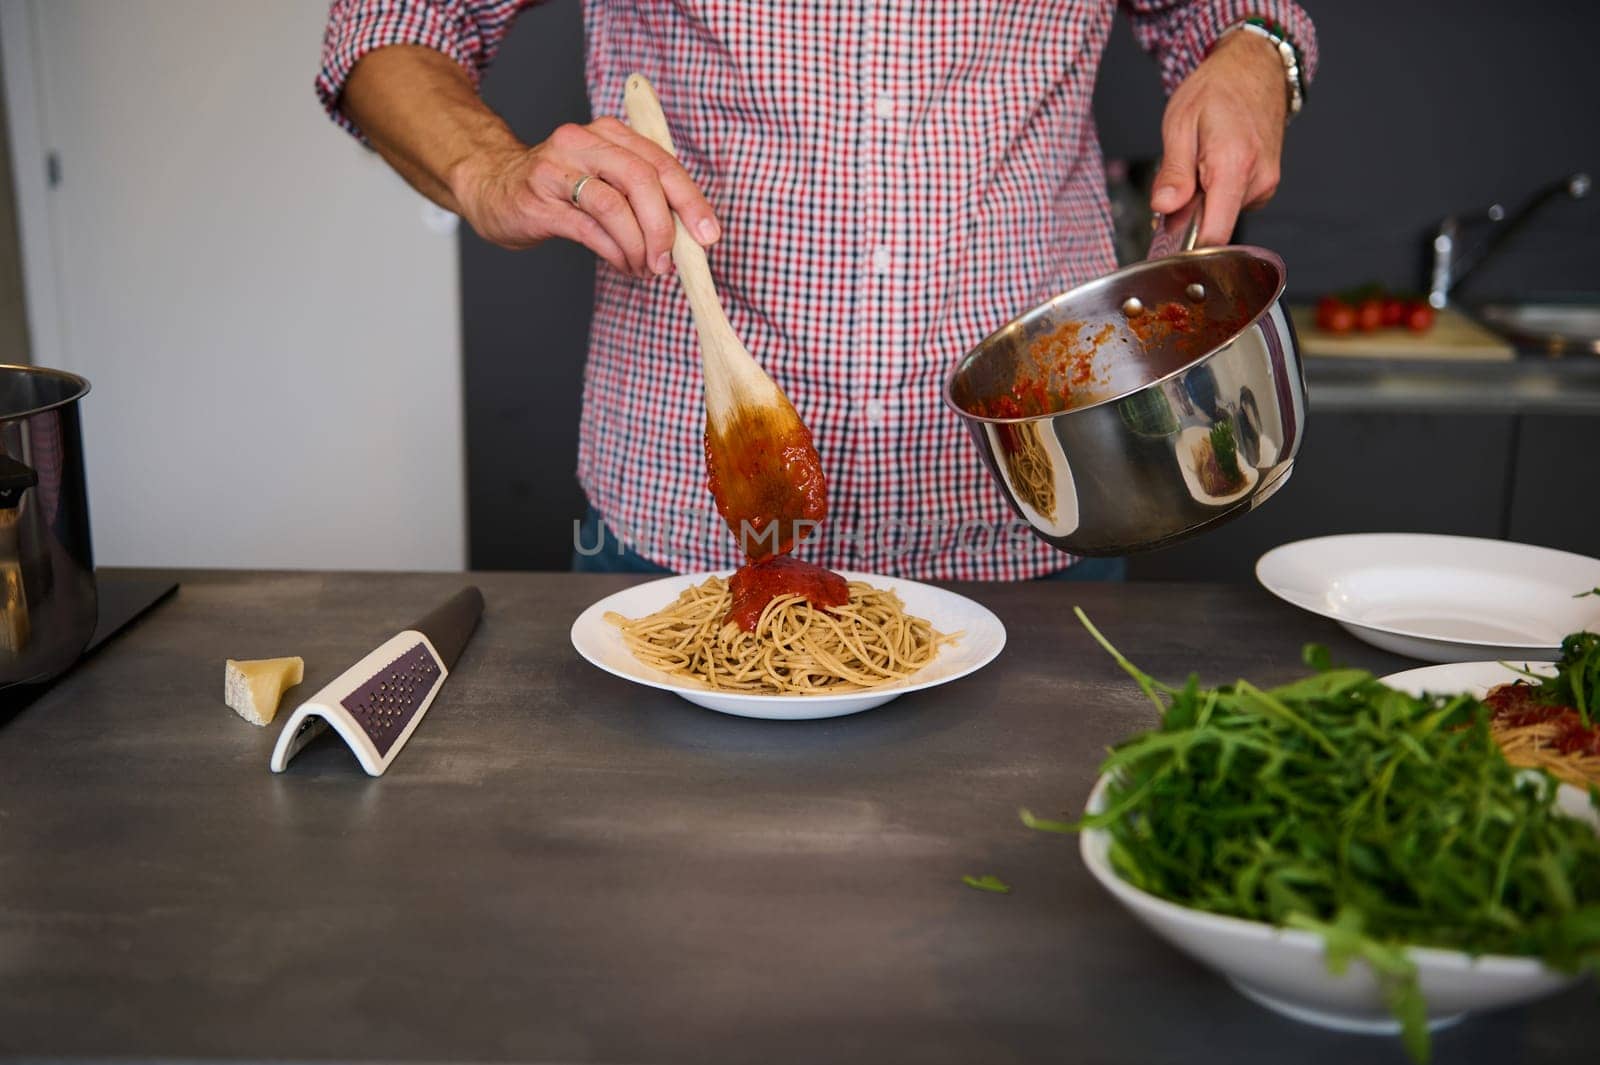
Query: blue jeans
613 557
1091 569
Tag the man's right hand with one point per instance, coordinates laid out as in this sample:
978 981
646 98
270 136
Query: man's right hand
519 197
420 111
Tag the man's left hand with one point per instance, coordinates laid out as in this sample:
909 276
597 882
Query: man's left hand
1224 126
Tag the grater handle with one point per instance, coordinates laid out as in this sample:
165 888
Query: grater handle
449 626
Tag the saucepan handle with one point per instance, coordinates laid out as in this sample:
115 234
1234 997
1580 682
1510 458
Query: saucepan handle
15 478
1178 231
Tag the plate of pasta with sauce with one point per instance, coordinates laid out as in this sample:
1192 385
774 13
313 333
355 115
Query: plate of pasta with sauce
838 645
1543 715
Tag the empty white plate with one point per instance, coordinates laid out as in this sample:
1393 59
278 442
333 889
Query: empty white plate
1439 598
982 638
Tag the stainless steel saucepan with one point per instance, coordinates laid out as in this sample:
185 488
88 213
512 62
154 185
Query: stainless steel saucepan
48 602
1145 406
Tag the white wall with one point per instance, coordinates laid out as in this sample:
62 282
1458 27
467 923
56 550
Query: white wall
269 317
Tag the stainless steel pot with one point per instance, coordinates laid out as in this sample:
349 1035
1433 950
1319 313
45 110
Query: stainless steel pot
48 605
1170 366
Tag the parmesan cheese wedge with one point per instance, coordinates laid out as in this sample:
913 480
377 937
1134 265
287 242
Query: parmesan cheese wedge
254 687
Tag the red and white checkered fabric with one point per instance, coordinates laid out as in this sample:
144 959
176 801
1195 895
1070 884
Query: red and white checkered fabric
895 182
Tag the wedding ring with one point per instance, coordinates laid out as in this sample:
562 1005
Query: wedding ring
577 189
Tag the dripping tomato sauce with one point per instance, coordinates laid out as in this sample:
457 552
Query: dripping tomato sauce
1516 706
755 584
767 480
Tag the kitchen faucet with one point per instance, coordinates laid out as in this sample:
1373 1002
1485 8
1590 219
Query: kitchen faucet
1451 266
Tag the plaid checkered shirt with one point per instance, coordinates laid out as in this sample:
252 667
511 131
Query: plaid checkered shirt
895 180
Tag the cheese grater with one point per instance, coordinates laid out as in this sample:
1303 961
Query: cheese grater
376 704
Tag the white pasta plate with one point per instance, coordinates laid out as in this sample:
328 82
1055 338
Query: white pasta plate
1439 598
981 638
1465 678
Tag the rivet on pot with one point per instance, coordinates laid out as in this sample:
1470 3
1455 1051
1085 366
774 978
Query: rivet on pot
1132 307
1196 292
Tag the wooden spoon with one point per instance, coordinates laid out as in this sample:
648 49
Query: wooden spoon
762 468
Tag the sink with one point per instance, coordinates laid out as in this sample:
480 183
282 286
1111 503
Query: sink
1556 328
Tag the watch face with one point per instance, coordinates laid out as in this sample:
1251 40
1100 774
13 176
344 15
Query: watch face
386 703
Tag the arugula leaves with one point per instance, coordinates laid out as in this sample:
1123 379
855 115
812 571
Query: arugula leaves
1339 805
1577 679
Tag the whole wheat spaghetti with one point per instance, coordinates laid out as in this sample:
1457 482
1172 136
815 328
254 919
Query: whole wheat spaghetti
795 649
1533 746
1032 476
1538 736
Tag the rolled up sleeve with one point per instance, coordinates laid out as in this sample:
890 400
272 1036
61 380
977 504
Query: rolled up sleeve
468 31
1179 33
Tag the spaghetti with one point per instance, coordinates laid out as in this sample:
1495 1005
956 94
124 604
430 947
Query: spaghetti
1538 735
1032 477
795 648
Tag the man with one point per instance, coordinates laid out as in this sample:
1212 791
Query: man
880 186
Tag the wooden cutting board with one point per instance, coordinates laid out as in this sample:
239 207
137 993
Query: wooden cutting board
1453 336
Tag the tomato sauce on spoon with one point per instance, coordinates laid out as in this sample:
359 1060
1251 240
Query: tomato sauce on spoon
767 480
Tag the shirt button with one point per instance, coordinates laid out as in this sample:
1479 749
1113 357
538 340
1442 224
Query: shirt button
883 107
882 260
876 411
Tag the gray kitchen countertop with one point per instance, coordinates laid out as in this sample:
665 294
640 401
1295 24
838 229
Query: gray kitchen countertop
1528 384
564 867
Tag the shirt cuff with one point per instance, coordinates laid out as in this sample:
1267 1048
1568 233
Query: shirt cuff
357 27
1203 25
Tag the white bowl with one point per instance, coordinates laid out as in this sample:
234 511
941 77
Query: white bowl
982 638
1286 971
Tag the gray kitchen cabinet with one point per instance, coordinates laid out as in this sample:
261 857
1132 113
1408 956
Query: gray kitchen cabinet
1553 497
1379 472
